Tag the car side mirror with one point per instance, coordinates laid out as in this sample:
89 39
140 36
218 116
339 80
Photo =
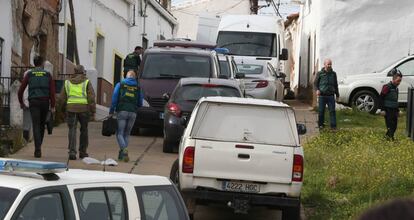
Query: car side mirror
166 96
184 121
301 129
240 75
284 55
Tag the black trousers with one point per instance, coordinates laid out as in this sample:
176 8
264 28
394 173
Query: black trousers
38 111
391 120
72 120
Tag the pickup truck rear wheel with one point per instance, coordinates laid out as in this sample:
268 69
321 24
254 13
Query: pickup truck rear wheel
291 213
366 101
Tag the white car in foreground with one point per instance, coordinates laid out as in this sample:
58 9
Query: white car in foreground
33 190
241 153
362 90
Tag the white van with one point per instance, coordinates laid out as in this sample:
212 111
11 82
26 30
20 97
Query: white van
253 36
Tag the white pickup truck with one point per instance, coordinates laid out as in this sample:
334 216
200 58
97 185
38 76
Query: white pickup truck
241 153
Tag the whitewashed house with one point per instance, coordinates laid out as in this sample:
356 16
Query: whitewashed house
107 31
6 37
358 35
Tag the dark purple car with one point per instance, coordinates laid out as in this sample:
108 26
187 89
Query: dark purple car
161 69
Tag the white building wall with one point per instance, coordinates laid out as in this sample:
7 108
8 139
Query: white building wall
188 17
360 36
157 25
7 35
363 35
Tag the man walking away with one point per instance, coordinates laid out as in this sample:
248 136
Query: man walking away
389 103
78 99
133 60
326 86
41 98
126 99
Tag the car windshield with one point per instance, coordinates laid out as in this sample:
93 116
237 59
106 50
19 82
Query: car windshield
177 66
248 43
249 69
7 197
195 92
225 69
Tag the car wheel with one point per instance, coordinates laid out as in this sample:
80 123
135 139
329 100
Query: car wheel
366 101
174 174
291 213
167 146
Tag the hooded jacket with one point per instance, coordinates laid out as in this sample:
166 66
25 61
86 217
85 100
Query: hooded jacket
115 95
78 108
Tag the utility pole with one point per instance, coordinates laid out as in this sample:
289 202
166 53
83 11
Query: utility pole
75 42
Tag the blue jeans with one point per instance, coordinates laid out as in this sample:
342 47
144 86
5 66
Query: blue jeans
330 101
126 121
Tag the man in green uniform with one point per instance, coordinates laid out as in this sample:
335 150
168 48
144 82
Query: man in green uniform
133 60
389 103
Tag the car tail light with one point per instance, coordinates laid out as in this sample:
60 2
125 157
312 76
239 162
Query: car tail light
297 173
261 83
188 160
174 109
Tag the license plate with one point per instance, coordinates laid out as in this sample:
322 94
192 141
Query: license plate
240 187
162 115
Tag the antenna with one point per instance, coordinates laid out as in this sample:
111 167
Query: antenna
67 164
104 164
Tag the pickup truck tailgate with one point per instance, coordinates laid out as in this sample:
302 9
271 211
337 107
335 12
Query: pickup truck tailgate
243 161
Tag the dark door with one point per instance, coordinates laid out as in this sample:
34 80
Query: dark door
117 69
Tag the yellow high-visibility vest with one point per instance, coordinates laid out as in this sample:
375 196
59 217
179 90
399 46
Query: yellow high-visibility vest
76 93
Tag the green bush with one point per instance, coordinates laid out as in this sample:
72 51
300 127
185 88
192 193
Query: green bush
350 170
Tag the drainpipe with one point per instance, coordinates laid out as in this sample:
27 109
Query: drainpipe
65 35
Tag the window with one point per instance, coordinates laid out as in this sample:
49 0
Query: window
45 207
250 69
407 68
225 68
175 66
1 55
160 203
101 204
7 197
192 93
245 123
248 43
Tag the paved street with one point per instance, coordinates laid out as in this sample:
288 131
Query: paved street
146 151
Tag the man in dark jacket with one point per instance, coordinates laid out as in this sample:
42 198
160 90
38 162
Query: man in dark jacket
389 103
326 86
78 99
133 60
41 99
126 99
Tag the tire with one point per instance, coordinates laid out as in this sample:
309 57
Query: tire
291 213
365 100
167 146
174 174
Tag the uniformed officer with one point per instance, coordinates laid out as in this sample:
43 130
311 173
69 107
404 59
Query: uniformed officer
389 103
41 99
133 60
78 99
126 99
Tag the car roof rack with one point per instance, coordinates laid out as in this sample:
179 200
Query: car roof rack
184 44
45 169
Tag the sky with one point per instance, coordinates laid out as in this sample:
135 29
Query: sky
286 7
